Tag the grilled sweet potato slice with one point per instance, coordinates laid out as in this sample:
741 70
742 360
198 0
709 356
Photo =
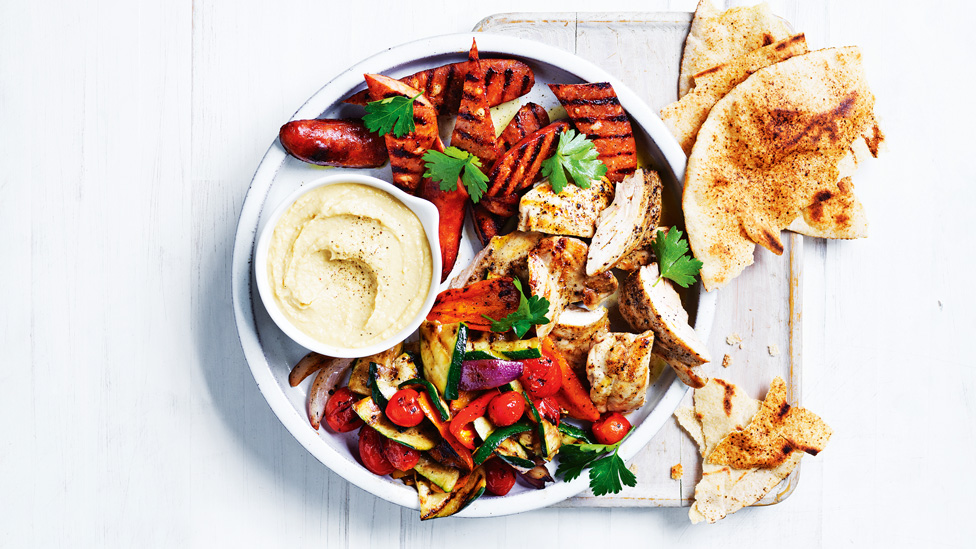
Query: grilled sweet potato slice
596 111
505 79
451 207
505 205
495 297
528 119
474 131
406 152
519 166
486 224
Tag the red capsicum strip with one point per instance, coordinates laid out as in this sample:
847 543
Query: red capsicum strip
461 424
571 392
442 427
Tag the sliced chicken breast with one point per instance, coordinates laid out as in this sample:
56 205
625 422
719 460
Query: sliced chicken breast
649 306
627 223
503 256
556 273
685 373
618 369
573 336
572 212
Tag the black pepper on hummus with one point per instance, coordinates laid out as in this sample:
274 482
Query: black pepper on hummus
349 265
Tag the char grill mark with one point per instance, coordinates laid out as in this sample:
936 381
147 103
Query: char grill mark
518 168
474 130
597 113
406 162
528 119
442 85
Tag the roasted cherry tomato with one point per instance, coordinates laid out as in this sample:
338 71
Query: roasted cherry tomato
611 428
339 413
400 457
540 377
506 408
404 410
500 476
548 409
371 451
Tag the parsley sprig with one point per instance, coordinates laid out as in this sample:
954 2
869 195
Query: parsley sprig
608 472
391 114
574 154
446 167
670 250
530 312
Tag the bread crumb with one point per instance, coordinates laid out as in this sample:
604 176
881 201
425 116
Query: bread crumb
677 471
726 361
773 349
733 339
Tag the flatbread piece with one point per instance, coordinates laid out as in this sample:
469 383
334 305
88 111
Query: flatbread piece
767 150
719 36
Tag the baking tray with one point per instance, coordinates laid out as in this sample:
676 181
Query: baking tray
762 306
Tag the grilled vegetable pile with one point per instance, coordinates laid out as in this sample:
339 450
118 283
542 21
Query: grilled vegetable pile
516 363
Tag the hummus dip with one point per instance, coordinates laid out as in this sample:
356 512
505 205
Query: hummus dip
349 265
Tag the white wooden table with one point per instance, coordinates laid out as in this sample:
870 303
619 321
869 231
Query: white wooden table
130 130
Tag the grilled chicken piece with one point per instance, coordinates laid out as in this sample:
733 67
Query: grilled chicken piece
572 212
618 369
597 112
642 254
575 333
406 153
649 306
503 256
556 273
686 373
623 227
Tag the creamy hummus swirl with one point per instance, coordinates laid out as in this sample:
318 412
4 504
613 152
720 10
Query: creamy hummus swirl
349 265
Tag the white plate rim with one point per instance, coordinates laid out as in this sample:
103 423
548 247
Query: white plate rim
241 272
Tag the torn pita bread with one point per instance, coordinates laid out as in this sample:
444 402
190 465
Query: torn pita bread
722 408
767 150
834 214
685 116
774 435
719 36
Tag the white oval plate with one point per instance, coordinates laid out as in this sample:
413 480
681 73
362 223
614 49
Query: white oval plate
271 354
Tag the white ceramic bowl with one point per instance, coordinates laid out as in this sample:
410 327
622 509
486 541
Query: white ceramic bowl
271 355
429 218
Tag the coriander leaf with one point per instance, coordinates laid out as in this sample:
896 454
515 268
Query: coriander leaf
446 167
607 474
572 461
531 311
607 470
670 250
393 113
577 155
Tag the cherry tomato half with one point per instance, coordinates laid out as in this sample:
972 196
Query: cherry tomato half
404 410
541 377
611 428
506 408
371 451
339 413
548 409
401 457
500 476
